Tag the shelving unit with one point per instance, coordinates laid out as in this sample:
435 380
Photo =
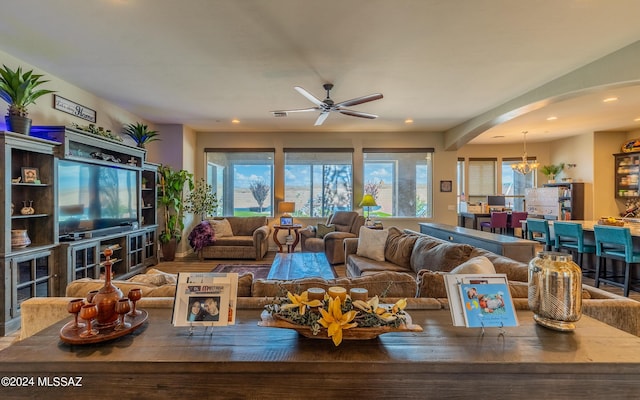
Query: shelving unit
26 272
46 266
570 199
149 197
627 173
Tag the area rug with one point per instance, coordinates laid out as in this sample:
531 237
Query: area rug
260 271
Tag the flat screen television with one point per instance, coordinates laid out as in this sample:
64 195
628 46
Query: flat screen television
93 197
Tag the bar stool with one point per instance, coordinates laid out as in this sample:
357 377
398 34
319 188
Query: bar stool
498 221
541 228
516 221
615 243
570 236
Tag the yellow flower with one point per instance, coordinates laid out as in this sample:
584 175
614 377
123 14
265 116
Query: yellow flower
335 321
371 306
301 301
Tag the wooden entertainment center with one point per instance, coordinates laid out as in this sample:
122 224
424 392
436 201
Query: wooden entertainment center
55 258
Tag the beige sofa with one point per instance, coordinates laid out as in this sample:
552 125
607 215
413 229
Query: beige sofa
250 240
422 286
427 259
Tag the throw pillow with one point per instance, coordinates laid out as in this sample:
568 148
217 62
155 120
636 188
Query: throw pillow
399 246
323 229
371 243
475 265
152 279
222 227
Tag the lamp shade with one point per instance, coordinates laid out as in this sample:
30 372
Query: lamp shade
286 206
368 201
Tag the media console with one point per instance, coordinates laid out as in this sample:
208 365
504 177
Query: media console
85 192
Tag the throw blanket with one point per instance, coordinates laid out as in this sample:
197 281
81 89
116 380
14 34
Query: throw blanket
202 235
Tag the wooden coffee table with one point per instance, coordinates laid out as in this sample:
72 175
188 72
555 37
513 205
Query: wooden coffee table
287 266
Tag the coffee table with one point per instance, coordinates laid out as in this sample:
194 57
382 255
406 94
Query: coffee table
288 266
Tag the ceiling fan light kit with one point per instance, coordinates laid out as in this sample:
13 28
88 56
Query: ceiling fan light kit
326 106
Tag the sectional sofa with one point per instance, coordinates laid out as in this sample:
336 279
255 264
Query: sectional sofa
412 267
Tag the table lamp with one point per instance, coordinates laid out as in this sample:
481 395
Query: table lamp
368 201
286 207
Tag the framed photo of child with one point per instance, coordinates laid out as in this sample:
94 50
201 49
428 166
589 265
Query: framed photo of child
30 175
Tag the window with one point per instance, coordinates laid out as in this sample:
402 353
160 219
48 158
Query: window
319 181
482 179
242 180
400 181
460 182
514 184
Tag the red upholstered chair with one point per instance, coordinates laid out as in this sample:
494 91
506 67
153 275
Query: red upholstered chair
516 221
498 221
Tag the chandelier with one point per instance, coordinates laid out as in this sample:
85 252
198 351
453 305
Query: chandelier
524 166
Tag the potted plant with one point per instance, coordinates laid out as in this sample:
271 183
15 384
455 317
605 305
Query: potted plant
20 90
551 171
140 134
201 200
171 197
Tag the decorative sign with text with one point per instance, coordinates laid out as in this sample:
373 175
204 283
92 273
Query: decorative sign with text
75 109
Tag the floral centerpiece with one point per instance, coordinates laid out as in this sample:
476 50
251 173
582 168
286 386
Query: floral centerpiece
337 318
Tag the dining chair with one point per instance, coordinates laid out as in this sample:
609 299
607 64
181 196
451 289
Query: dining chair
570 236
516 221
615 243
498 221
538 230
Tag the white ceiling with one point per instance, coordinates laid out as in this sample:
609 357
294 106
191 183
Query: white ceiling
203 63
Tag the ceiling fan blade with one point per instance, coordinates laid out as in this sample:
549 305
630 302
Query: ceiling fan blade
357 114
309 96
359 100
321 118
296 110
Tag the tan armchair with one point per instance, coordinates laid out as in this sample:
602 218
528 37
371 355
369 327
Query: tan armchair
347 225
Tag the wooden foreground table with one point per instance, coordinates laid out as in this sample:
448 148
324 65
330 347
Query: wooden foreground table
248 361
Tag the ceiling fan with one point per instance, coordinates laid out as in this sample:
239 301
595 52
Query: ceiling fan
327 105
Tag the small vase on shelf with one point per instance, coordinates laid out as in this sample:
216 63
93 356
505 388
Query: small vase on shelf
27 209
19 238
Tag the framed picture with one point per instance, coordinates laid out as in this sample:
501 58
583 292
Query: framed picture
205 299
286 221
446 186
30 175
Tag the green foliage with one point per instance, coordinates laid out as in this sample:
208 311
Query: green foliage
171 199
140 133
20 89
201 200
552 170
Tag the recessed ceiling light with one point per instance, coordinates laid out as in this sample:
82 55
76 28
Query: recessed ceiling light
408 121
610 99
552 118
235 121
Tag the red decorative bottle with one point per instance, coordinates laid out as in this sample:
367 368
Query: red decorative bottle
107 296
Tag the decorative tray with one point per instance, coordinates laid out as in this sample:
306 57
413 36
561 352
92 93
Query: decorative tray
348 334
70 334
610 222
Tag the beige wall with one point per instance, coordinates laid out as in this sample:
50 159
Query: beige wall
108 115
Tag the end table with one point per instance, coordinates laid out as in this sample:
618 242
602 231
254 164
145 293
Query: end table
291 244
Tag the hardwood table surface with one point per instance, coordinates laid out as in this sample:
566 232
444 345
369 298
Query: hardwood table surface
248 361
288 266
